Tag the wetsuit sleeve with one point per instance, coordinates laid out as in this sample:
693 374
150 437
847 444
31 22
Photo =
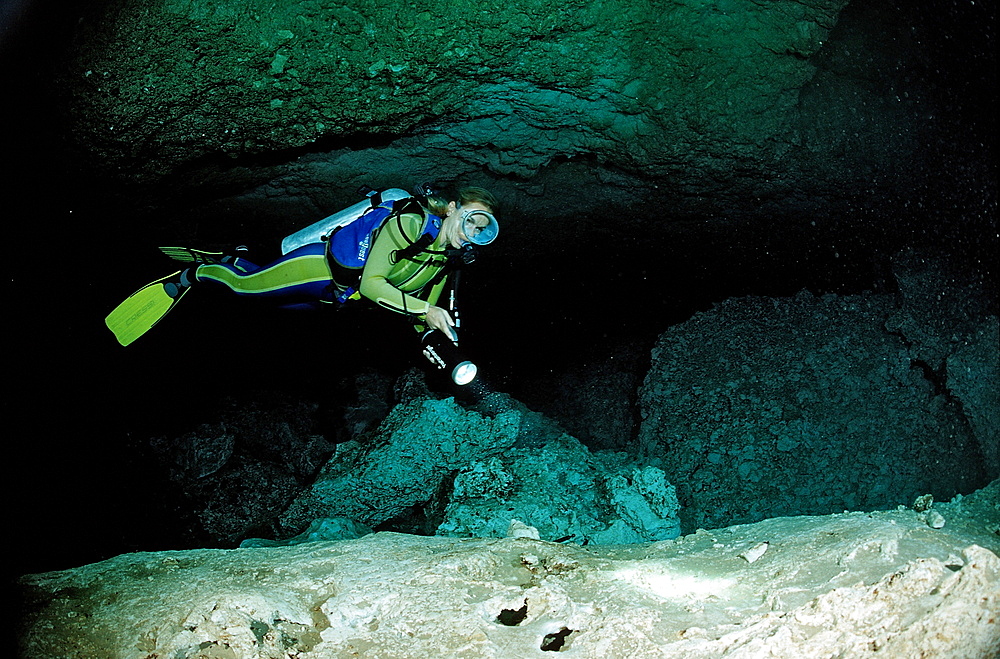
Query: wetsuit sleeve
432 298
435 294
375 283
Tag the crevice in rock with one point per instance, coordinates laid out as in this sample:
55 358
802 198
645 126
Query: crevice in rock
513 617
932 376
554 642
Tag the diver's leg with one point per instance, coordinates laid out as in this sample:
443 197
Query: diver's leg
300 275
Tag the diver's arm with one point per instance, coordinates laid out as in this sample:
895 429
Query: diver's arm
437 317
375 277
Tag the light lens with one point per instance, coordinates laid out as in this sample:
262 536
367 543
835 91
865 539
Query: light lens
464 373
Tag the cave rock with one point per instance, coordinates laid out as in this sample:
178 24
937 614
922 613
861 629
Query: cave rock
764 407
849 584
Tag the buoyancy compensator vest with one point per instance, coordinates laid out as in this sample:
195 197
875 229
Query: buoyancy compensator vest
350 244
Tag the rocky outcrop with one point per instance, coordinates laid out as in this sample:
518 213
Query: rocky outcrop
562 492
467 473
880 584
416 448
764 407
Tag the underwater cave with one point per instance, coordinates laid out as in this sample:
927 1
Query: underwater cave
745 244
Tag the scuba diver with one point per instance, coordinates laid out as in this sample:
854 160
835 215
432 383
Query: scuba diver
393 249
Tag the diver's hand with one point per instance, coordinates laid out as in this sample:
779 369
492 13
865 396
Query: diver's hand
439 319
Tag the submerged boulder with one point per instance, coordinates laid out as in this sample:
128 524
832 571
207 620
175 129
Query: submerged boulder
764 407
566 493
475 471
418 445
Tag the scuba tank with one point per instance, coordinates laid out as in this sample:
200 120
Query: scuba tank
320 231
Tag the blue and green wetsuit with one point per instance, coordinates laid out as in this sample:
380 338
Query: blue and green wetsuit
402 282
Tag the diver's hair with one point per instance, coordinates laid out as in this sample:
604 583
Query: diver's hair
472 195
438 204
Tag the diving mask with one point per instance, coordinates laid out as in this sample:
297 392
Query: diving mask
479 226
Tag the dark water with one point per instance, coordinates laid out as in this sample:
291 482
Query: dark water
84 407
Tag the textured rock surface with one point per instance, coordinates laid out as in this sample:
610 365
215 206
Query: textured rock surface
235 79
974 377
945 314
417 446
880 584
241 470
565 492
471 472
712 101
765 407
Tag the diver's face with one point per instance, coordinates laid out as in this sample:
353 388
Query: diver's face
457 229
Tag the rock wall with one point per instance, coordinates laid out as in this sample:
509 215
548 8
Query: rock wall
974 378
947 314
766 407
204 78
881 584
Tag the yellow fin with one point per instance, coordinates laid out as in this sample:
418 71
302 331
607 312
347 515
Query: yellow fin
141 310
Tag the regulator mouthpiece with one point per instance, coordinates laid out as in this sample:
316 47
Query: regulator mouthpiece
443 353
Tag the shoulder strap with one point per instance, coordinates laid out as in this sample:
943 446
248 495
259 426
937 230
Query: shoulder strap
424 240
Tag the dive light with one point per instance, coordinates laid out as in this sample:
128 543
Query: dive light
444 354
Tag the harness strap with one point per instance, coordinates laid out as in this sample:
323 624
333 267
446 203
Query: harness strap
346 279
423 242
